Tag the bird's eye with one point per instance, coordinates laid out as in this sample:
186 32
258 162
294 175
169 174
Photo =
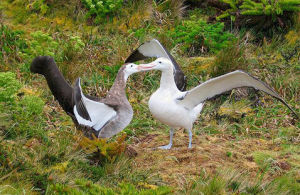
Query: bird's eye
159 62
131 65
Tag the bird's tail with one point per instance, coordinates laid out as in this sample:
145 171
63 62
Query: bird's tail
196 111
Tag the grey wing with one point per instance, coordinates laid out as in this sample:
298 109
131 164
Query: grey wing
155 49
89 112
225 83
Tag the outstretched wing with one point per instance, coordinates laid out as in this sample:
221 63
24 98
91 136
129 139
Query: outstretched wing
155 49
89 112
225 83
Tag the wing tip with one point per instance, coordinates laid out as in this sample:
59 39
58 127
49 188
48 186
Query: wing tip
155 40
79 105
77 87
276 95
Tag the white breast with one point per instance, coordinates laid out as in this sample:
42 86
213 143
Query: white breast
163 106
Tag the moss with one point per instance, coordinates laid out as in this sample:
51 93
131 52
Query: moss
235 110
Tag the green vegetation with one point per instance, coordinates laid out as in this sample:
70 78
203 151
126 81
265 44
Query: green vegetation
196 36
231 58
9 86
101 9
11 44
244 142
261 7
261 14
86 187
39 6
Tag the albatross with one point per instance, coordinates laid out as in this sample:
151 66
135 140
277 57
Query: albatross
155 49
180 109
103 117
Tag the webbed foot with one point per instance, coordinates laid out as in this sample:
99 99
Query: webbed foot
166 147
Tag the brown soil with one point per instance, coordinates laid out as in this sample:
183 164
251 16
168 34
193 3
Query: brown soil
180 165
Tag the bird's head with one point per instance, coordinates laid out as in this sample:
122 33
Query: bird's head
130 69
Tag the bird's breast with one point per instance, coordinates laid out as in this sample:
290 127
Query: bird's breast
165 109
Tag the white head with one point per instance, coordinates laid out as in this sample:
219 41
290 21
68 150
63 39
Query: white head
158 64
130 69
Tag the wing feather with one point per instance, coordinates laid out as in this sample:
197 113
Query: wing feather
89 112
225 83
149 49
155 49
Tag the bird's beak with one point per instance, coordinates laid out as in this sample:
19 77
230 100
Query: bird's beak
145 67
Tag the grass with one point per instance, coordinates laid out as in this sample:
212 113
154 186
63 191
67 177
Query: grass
239 146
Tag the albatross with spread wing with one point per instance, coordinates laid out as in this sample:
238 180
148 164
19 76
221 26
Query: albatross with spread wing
181 108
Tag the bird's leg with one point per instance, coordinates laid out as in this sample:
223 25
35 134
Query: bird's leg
190 138
167 147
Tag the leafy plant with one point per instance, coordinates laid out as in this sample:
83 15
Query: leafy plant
272 8
71 46
37 6
41 44
76 43
11 43
9 86
102 8
260 14
102 150
197 36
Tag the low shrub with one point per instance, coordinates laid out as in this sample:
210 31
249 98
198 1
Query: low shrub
9 86
61 49
99 9
39 6
11 44
101 150
71 47
261 15
196 36
41 44
231 58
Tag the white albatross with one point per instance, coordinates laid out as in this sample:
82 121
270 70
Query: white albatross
180 109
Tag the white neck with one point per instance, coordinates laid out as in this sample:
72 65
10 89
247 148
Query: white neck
167 80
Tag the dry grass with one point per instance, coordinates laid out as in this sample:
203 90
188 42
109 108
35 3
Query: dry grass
180 166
